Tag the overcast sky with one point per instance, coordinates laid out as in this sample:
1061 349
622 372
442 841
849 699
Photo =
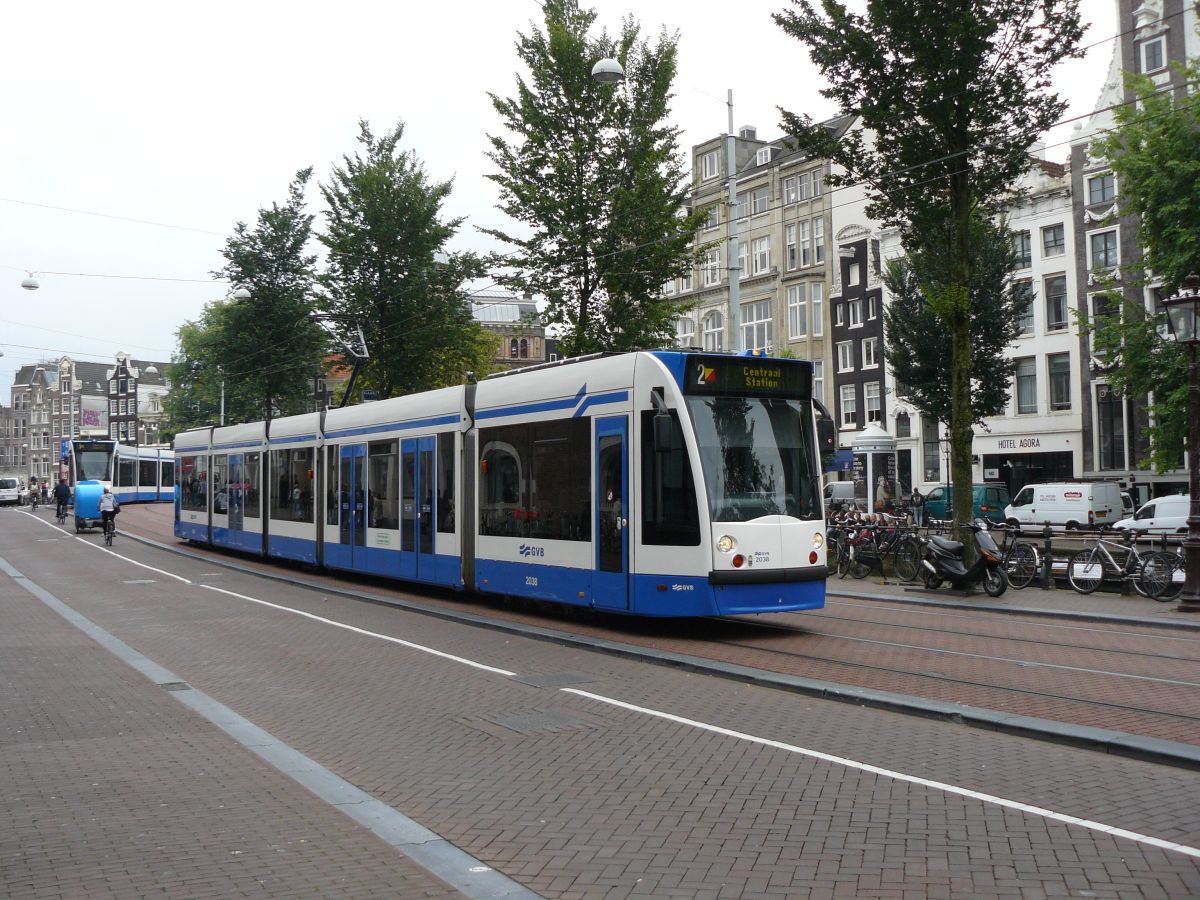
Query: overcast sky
190 117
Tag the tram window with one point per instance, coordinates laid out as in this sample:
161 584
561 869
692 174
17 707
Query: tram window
332 506
147 477
291 498
167 473
445 482
253 484
220 472
500 481
383 484
559 499
669 509
193 483
126 473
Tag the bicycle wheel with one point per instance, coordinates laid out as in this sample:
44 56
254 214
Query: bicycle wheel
1162 576
860 566
844 556
1085 571
833 553
1021 565
907 561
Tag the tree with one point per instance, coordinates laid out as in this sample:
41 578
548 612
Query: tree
266 348
918 349
595 174
384 236
1156 159
950 97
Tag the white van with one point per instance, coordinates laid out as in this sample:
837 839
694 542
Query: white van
10 492
1072 505
839 494
1162 515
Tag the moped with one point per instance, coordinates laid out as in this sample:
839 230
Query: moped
943 561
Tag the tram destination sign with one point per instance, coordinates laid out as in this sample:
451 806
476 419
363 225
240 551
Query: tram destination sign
748 375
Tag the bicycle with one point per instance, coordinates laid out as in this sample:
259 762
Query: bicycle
110 530
1021 560
1087 569
61 512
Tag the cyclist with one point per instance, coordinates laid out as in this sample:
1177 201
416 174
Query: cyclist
62 494
35 494
109 507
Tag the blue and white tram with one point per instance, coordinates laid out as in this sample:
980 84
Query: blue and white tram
135 474
653 483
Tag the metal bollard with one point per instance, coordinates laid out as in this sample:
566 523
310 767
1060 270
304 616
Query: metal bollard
1047 558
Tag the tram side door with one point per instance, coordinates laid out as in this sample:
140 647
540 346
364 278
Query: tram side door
236 483
417 490
353 533
610 581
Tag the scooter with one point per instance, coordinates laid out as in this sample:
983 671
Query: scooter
944 562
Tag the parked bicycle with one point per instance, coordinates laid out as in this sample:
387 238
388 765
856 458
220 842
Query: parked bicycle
1150 571
1021 559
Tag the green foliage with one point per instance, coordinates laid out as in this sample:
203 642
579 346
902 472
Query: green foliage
950 96
1156 158
595 174
384 229
266 349
917 342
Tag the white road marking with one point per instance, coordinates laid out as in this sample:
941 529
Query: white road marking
363 631
899 776
106 550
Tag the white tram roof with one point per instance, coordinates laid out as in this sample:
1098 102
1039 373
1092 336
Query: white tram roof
304 427
528 391
427 411
196 439
250 434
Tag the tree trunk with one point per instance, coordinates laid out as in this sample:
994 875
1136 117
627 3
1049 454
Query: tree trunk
961 433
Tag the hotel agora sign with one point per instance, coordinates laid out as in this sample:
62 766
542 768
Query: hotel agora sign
748 376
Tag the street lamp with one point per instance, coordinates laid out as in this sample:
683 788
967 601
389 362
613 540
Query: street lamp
1183 316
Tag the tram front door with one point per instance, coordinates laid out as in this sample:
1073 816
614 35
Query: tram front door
416 507
610 581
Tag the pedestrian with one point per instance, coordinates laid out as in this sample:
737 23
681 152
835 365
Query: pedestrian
917 502
297 507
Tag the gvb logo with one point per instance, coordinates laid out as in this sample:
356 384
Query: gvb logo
527 550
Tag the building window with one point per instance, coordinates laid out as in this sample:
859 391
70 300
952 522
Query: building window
1059 368
685 280
791 251
1023 300
819 380
711 272
797 311
849 402
1101 189
806 243
1111 426
903 426
873 401
1027 385
818 240
853 275
1103 246
763 156
870 355
714 331
1056 303
524 348
761 258
758 201
805 188
818 177
789 190
123 387
709 167
1054 241
668 287
1023 247
756 325
685 332
839 314
872 308
845 354
741 207
816 295
713 218
1152 55
854 308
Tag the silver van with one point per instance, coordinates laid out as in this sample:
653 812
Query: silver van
10 492
839 494
1162 515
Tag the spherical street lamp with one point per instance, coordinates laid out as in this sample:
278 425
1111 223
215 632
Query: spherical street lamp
1183 316
608 71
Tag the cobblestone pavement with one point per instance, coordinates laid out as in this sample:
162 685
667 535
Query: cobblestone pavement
578 774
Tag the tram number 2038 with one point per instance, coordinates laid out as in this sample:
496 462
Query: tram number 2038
531 580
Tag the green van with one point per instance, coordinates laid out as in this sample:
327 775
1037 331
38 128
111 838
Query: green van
988 503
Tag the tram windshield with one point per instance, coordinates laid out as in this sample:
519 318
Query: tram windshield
92 462
759 457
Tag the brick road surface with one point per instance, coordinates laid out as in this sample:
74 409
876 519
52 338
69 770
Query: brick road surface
575 797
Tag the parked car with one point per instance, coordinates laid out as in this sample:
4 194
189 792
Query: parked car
988 501
1162 515
10 492
1070 505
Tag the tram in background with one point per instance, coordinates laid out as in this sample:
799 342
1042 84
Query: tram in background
654 483
135 474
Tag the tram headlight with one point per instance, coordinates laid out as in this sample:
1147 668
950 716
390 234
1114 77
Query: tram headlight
725 543
818 540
